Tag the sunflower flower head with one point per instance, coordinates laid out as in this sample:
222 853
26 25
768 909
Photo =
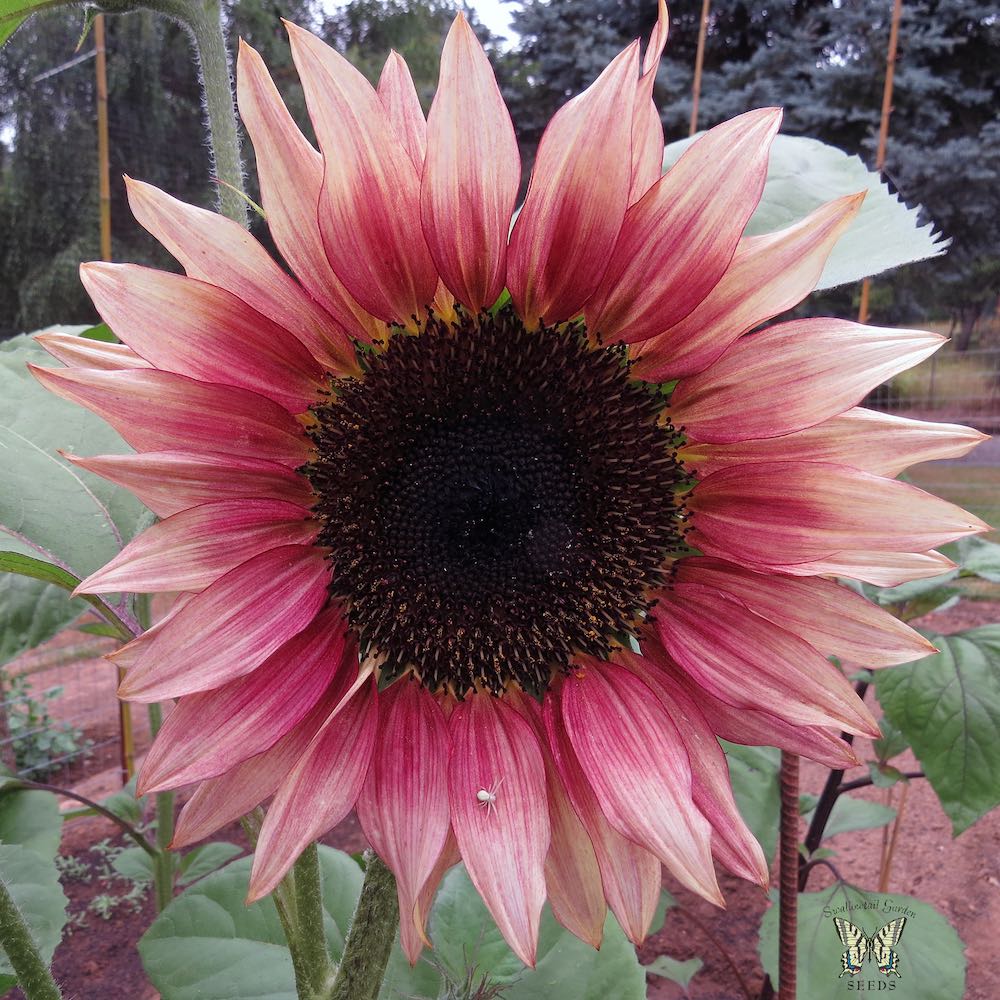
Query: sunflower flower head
489 533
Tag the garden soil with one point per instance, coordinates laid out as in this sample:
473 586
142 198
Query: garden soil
97 959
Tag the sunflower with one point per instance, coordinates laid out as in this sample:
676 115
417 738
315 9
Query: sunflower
489 533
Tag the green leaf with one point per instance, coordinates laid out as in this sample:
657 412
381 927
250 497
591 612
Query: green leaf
754 773
803 174
134 864
884 775
849 814
675 970
206 859
948 707
931 958
125 805
978 557
31 612
919 597
13 13
464 934
33 882
32 819
209 943
891 743
100 332
63 514
46 572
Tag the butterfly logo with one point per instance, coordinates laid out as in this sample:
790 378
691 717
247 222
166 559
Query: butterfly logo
880 947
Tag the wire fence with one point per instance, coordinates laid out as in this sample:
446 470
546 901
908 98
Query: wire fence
961 387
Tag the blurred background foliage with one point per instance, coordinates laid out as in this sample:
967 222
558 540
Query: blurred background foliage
822 60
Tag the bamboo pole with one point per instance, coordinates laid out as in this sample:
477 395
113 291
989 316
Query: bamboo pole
883 129
127 738
699 61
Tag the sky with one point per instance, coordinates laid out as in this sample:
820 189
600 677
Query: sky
494 14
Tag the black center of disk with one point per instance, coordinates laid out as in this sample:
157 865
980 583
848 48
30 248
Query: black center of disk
495 500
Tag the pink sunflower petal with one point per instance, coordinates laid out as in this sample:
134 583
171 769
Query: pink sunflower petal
647 129
214 249
403 806
191 549
233 626
733 844
563 238
290 172
882 569
768 275
790 512
369 206
630 875
572 875
412 931
677 242
171 481
192 328
881 443
189 415
831 618
82 352
402 106
210 733
126 657
755 727
471 173
802 373
749 662
321 789
503 843
637 764
219 801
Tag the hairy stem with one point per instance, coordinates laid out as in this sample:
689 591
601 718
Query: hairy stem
370 938
163 862
309 935
203 18
33 974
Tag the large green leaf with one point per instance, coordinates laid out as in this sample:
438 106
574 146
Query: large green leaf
805 173
65 515
31 612
754 773
33 882
13 13
464 934
32 819
848 814
209 943
931 958
948 707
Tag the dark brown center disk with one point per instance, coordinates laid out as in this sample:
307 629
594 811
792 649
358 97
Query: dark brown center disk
495 500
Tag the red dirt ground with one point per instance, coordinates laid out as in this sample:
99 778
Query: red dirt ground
960 877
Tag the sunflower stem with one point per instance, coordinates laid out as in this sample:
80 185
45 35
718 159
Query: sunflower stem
163 860
33 974
309 935
369 941
203 19
788 888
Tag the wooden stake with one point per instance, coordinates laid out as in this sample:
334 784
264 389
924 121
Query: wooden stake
126 736
883 128
699 61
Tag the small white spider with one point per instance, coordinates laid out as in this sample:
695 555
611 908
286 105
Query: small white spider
488 797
